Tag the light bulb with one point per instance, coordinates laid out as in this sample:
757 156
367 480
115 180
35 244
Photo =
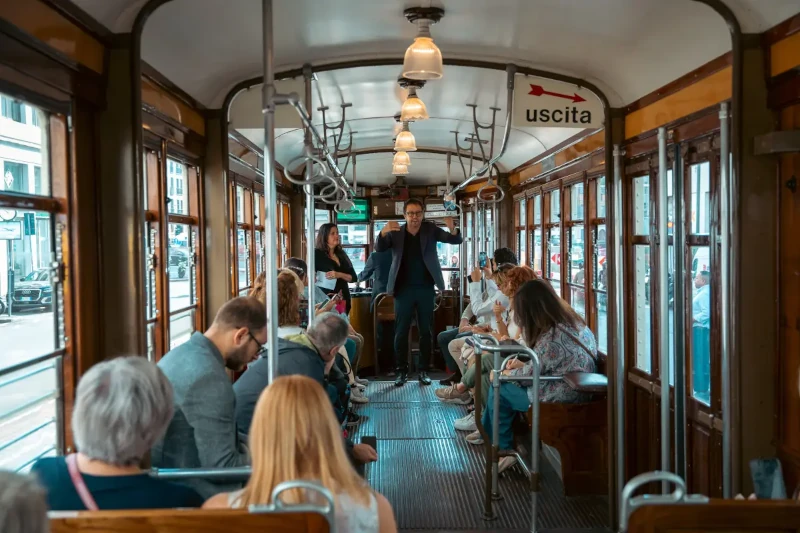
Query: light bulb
399 169
423 59
405 142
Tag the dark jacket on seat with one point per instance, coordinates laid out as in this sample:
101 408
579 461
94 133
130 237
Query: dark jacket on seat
429 234
378 266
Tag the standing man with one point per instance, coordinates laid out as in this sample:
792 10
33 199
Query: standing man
415 270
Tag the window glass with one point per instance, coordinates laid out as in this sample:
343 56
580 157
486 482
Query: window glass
522 251
601 197
353 234
671 312
521 213
257 198
358 258
641 277
555 206
577 272
28 416
240 204
321 216
537 209
601 287
179 270
576 202
701 323
670 203
641 205
243 255
537 251
176 188
25 255
260 258
700 198
24 152
181 327
554 251
468 241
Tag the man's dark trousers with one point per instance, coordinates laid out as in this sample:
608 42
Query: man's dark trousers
408 301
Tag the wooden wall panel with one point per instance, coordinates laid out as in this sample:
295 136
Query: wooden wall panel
785 55
172 107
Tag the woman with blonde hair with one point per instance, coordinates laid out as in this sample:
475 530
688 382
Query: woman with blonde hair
295 436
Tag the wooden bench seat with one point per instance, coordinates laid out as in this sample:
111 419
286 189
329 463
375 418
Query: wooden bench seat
719 516
186 520
579 431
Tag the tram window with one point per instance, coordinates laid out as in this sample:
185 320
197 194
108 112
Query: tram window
641 205
521 226
701 323
601 287
352 234
181 327
321 216
537 209
700 198
641 276
554 250
601 197
577 273
260 258
468 222
180 265
555 206
537 251
576 201
243 257
239 204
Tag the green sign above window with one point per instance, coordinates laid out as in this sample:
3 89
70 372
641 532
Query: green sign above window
359 213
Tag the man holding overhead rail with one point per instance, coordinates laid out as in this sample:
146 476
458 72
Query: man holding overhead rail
415 270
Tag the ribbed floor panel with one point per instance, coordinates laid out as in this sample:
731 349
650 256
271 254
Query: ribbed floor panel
434 478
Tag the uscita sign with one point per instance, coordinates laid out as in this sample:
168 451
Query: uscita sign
541 102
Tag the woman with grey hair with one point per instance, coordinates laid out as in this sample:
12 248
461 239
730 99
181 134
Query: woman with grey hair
123 406
23 507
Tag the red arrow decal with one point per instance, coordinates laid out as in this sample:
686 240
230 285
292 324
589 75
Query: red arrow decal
538 90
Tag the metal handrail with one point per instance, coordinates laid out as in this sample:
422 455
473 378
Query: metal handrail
495 448
277 505
630 503
239 473
511 71
488 512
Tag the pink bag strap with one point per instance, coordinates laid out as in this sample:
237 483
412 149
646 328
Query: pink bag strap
79 484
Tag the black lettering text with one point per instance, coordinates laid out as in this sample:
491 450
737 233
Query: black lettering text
574 114
544 115
586 117
559 115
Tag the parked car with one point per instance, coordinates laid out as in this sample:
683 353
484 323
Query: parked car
3 306
34 290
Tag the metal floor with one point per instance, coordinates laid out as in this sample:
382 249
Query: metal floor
434 478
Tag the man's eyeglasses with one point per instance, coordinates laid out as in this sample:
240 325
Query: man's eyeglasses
261 349
414 213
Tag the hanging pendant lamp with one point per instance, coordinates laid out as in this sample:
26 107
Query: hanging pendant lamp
423 59
401 158
405 141
399 170
413 108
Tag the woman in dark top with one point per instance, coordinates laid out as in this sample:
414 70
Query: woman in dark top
330 258
123 406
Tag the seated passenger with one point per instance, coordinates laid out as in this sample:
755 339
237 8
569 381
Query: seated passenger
510 282
564 344
23 505
295 437
203 430
482 310
122 407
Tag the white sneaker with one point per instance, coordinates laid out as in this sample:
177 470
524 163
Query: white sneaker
357 396
466 423
506 462
356 385
361 381
475 438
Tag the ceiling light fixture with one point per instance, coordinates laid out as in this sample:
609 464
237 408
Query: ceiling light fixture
405 141
413 108
423 59
399 170
401 158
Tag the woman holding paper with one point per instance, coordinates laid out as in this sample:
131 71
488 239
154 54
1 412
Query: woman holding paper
333 268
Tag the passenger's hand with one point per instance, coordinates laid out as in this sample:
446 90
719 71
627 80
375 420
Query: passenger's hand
498 309
448 221
485 328
464 326
390 226
331 274
365 453
489 269
475 275
514 363
491 376
504 338
329 306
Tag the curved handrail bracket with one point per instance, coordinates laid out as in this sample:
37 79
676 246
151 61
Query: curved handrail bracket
630 503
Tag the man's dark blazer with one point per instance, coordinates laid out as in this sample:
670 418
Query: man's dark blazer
429 235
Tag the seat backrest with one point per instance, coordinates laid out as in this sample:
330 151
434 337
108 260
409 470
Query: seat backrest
587 382
384 308
186 520
717 516
602 364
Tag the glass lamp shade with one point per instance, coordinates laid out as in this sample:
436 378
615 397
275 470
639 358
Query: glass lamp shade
401 158
423 60
398 170
398 127
413 108
405 142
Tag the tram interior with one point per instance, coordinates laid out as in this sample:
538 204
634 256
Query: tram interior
162 160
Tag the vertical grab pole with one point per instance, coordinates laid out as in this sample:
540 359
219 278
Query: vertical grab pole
270 193
663 304
310 216
535 440
619 316
461 260
495 422
725 293
678 309
474 233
